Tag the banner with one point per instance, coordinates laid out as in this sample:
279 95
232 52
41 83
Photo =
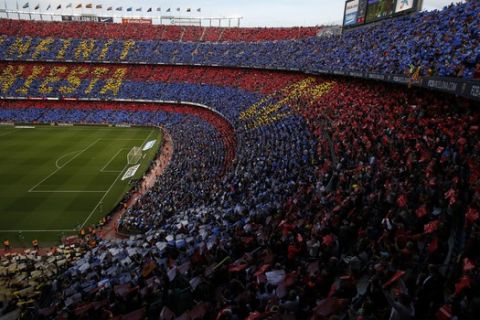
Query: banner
355 12
105 19
403 5
138 21
88 18
351 11
149 145
130 172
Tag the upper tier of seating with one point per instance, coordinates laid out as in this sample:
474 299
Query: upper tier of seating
97 30
439 43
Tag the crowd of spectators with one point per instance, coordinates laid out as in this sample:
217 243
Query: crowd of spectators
435 43
26 78
94 30
344 199
24 275
292 196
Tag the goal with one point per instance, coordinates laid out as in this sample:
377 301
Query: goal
134 155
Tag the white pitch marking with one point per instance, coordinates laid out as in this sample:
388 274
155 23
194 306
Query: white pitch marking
65 155
103 197
90 145
111 186
108 163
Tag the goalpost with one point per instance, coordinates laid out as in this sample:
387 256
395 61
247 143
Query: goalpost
134 155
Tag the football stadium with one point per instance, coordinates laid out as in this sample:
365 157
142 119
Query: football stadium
240 160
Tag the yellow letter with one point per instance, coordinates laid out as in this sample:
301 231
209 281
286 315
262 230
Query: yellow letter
113 84
20 47
51 79
42 47
85 48
97 73
9 76
36 71
104 51
126 47
74 80
61 52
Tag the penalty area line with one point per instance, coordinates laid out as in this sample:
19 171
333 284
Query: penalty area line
110 161
111 186
103 197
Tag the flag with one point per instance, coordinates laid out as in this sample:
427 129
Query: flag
402 201
431 227
69 5
416 74
422 211
78 6
178 9
89 6
119 8
472 215
168 10
433 246
149 10
199 9
139 9
167 314
25 6
237 267
189 10
444 313
37 7
148 268
59 7
159 9
399 274
262 270
109 8
98 6
48 8
327 240
463 283
129 9
468 265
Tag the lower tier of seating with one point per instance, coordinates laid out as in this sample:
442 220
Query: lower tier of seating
345 198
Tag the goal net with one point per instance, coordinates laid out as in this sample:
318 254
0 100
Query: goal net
134 155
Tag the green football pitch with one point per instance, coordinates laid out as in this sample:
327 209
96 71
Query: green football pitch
56 180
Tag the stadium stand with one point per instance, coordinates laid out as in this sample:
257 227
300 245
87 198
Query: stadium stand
363 190
442 43
94 30
305 197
